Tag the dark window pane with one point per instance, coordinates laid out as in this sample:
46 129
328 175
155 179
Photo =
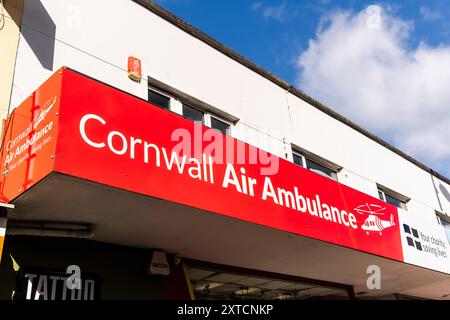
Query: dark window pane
444 222
317 168
220 125
192 114
298 160
446 226
158 99
394 201
380 195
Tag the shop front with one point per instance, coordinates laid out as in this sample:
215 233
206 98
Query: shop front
147 204
39 268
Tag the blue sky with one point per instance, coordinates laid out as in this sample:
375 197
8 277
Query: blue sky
302 42
273 41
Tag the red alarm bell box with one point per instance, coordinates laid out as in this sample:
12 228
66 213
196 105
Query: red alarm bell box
134 69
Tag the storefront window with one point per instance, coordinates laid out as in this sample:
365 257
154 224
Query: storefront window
210 284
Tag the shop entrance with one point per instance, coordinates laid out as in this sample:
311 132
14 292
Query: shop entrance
218 282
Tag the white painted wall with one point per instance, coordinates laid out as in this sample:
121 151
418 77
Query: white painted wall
96 38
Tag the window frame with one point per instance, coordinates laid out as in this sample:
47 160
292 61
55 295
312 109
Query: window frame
382 192
208 117
316 161
178 98
171 98
183 104
301 156
443 217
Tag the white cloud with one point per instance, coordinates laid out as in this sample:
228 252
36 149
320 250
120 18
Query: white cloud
430 15
277 12
370 76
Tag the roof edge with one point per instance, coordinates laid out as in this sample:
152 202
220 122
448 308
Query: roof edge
200 35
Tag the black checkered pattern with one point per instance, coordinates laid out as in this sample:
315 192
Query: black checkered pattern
413 238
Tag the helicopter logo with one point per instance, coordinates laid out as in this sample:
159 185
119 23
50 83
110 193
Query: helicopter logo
373 223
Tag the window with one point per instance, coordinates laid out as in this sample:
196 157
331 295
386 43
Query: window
158 99
313 166
209 283
298 159
445 223
395 200
193 114
208 119
320 169
381 195
220 125
189 107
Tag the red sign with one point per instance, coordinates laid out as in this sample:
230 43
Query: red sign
29 140
110 137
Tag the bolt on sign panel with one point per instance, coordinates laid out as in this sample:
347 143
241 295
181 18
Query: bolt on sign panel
110 137
128 143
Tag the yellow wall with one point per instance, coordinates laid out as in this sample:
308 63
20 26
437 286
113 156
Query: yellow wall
9 40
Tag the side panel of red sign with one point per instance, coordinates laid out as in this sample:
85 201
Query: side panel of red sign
110 137
29 140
